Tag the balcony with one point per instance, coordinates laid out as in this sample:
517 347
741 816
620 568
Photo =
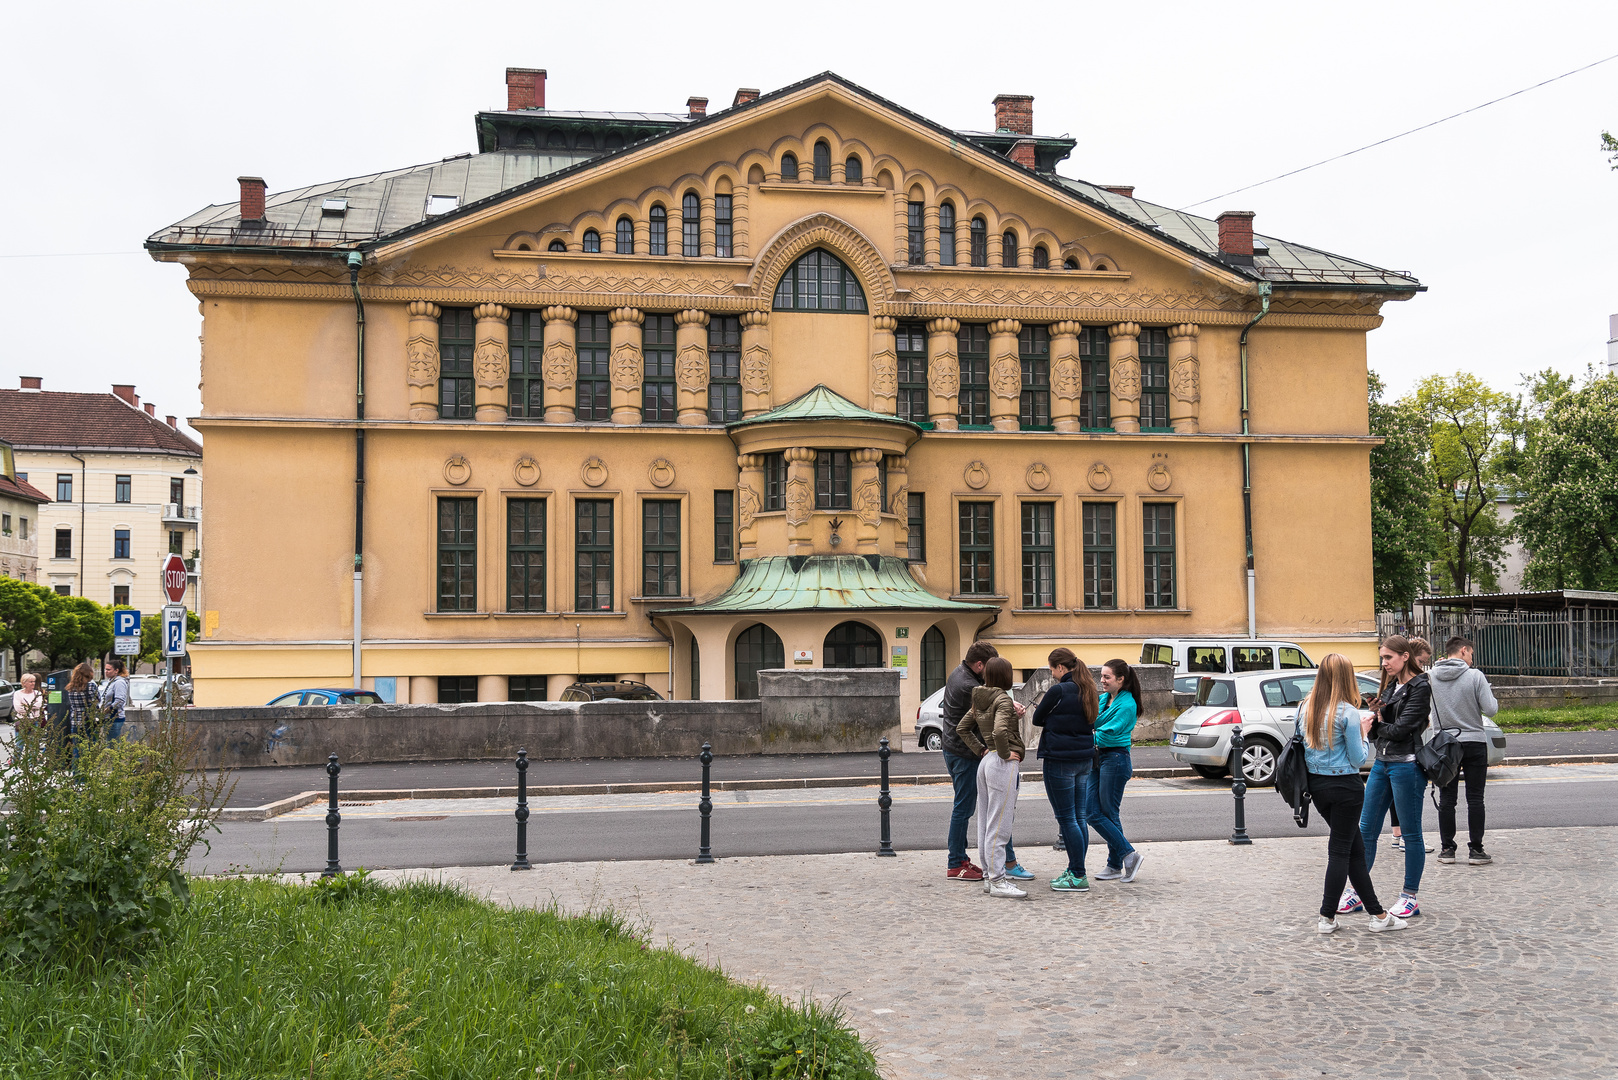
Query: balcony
177 514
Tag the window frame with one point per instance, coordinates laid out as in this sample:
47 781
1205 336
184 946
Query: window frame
591 242
821 156
123 488
595 549
1038 554
62 534
624 235
724 236
1093 552
1034 360
724 369
974 378
462 554
660 555
853 170
946 233
1009 246
795 290
690 225
789 167
457 396
1042 257
979 237
593 356
528 546
972 551
64 487
915 233
659 400
724 526
121 544
910 353
1158 557
774 468
834 472
177 490
1153 350
657 230
525 384
1095 384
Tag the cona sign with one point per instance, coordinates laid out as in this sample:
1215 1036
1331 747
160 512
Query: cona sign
174 579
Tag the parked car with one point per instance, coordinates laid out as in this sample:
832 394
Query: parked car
6 690
930 718
622 690
1264 703
147 692
1218 656
324 696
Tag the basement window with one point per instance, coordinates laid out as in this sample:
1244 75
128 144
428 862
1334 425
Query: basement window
442 204
336 207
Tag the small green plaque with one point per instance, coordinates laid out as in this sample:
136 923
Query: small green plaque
901 631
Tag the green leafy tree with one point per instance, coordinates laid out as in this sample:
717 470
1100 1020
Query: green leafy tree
1609 145
22 613
76 628
1468 423
1403 538
1524 420
151 636
1569 517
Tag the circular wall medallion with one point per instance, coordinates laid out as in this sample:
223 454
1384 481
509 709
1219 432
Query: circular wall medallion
526 471
1039 477
661 474
976 475
593 472
1158 477
1100 477
457 470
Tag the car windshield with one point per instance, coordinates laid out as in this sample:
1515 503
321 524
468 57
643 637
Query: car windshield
1216 692
144 691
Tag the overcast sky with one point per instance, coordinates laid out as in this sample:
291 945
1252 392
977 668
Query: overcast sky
119 119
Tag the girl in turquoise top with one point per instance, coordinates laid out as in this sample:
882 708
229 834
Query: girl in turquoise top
1120 707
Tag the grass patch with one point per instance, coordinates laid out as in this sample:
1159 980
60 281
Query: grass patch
1566 718
364 981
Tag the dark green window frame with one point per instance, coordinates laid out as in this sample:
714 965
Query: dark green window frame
457 554
822 159
1034 355
932 662
592 391
1038 555
819 281
757 648
624 236
525 554
946 234
910 342
979 234
660 547
916 234
592 555
972 348
457 337
775 481
723 226
690 225
1100 555
657 396
456 689
1158 541
916 519
526 384
1008 250
977 549
1095 400
657 231
832 472
1154 380
724 369
724 526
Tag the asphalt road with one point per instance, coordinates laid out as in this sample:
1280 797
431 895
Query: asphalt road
819 824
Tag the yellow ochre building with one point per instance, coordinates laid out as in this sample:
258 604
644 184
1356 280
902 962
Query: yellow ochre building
811 381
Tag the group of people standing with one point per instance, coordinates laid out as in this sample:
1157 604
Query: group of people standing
83 697
1084 755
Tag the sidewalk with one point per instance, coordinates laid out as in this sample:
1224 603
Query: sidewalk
1208 966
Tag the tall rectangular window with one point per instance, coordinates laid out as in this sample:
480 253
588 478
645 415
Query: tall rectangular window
64 544
1095 404
657 405
592 555
120 596
775 481
972 346
457 554
723 227
831 480
660 548
1100 556
1038 555
1158 536
64 487
690 226
977 548
978 233
946 234
457 337
1154 379
176 542
916 233
593 391
177 490
724 526
1034 353
916 519
724 369
911 342
525 385
525 554
120 543
657 231
121 489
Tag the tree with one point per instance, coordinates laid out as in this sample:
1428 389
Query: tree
76 628
151 636
1467 421
1569 518
1525 418
22 613
1609 145
1403 539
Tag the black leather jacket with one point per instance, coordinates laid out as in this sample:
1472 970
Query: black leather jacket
1398 728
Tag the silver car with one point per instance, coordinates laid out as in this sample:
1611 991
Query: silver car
930 714
1265 704
6 692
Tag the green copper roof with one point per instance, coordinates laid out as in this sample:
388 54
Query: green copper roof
821 403
824 583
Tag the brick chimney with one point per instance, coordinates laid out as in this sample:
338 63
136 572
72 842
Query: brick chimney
1126 190
126 391
696 107
525 88
1236 234
33 382
169 420
743 96
1023 153
151 410
252 197
1014 113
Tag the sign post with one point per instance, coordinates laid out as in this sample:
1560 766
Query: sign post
175 581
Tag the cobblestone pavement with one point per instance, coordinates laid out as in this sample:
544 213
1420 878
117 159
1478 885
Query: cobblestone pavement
1207 966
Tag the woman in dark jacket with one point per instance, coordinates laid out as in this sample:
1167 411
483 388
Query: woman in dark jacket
1067 750
1396 779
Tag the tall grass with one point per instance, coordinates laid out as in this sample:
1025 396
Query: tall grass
1564 718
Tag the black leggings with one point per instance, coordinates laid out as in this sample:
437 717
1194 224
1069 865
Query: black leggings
1475 767
1338 800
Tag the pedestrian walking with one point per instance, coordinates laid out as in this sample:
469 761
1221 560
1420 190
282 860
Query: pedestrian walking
114 698
1067 714
1334 750
963 766
1423 653
28 703
1119 709
990 730
1395 777
1462 697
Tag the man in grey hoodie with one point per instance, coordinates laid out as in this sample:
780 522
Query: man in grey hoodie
1461 699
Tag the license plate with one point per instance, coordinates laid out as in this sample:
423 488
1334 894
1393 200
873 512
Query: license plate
1181 739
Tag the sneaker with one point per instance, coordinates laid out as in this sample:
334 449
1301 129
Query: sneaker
1107 873
1478 857
1020 872
1388 921
1328 926
1005 888
1429 849
1066 882
1350 903
1406 908
1132 863
1398 843
1447 855
965 872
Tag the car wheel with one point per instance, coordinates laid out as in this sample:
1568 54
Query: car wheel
1210 772
933 740
1258 761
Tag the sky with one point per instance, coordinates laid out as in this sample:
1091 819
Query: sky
120 119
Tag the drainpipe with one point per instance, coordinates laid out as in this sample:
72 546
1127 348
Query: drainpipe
355 261
84 491
1247 462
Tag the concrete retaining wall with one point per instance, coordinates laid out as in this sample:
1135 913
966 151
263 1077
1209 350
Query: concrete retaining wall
1555 696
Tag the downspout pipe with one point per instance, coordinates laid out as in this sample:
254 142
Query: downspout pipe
355 261
1247 463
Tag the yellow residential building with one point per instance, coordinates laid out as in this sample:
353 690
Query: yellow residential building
811 381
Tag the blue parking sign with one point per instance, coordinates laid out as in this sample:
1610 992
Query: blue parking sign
125 623
174 630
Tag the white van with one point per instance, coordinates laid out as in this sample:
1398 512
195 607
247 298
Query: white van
1194 657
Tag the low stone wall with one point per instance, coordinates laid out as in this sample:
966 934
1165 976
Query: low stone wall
1555 695
1158 710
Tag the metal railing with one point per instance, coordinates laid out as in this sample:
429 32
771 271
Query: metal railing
1576 643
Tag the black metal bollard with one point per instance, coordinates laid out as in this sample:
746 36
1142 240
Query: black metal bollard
1238 786
705 806
885 801
522 812
334 819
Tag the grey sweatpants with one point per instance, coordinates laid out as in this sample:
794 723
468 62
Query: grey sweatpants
997 809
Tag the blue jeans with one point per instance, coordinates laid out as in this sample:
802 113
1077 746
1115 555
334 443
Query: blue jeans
1396 783
1105 797
1065 785
964 772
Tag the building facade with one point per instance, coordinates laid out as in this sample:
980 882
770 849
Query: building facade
20 504
808 381
125 488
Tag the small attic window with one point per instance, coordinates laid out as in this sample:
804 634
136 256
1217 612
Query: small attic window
1260 247
337 207
442 204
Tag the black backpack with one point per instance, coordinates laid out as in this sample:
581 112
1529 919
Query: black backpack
1292 775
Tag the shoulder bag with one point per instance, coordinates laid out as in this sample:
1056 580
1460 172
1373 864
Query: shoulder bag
1439 755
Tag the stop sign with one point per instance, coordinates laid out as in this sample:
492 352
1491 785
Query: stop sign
174 579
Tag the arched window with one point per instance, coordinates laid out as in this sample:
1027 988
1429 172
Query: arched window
690 225
932 662
614 141
757 648
556 140
626 236
592 241
789 166
558 245
946 234
657 242
1071 264
854 170
980 242
819 282
1008 250
1042 257
822 160
853 645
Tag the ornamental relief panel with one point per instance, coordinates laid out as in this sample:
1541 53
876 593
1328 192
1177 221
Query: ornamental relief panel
1126 378
490 362
627 366
899 505
799 500
1066 380
868 503
1005 377
560 365
885 374
421 360
1072 298
1185 381
691 369
756 370
747 506
944 374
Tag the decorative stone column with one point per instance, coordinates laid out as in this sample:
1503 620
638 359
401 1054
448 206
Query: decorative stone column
899 502
884 365
749 501
943 374
901 228
756 364
561 363
627 364
1067 378
929 232
738 221
691 365
676 229
491 361
865 485
800 499
1005 374
1124 357
705 231
963 237
421 360
1185 379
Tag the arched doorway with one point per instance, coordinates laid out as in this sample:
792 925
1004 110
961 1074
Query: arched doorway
853 645
933 670
757 647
